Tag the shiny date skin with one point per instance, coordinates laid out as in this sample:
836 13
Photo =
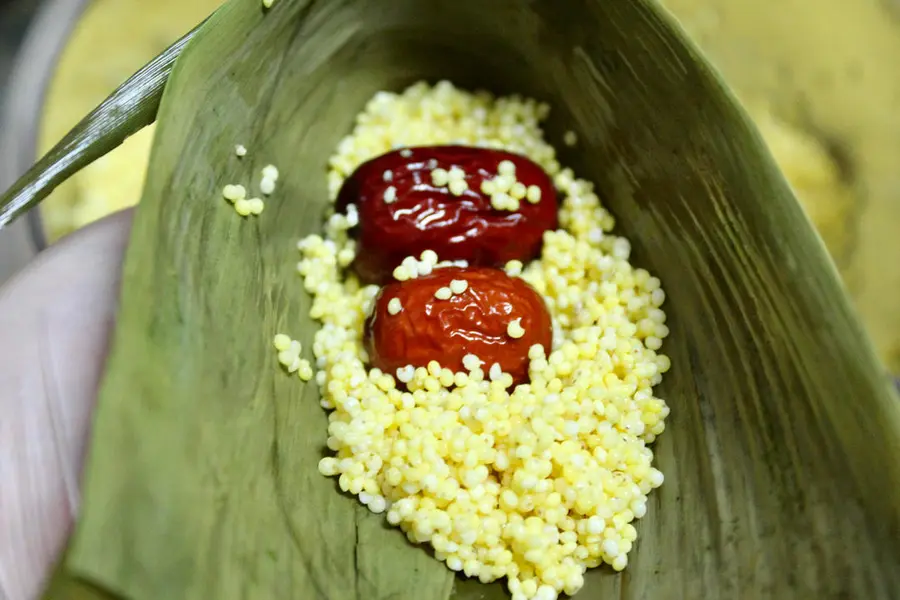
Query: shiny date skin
421 216
475 322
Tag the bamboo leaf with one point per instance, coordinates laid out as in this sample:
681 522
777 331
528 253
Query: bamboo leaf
127 110
202 481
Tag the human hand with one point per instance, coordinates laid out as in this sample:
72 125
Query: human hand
55 320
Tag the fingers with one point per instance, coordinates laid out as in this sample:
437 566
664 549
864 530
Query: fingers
55 319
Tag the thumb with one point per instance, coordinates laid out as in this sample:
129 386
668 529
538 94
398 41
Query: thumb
55 319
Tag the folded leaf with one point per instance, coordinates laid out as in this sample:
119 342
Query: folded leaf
202 479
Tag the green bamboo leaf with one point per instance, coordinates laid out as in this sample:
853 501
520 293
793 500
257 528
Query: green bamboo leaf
131 107
202 480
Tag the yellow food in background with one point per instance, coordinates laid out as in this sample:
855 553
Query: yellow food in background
108 185
815 178
113 39
832 66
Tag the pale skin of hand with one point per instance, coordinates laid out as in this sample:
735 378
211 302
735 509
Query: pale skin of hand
56 318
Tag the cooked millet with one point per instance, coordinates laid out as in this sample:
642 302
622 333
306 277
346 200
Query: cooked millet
305 370
237 195
289 356
252 206
458 286
267 186
503 201
412 267
406 374
495 372
507 168
233 193
243 207
454 180
443 293
534 482
506 192
514 268
440 177
458 187
270 172
282 342
514 329
518 190
471 362
256 206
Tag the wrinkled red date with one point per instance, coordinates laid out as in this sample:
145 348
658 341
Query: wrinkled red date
472 322
423 216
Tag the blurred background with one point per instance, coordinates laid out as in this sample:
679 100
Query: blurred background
819 77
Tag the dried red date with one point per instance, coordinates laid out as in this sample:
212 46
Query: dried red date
404 209
413 322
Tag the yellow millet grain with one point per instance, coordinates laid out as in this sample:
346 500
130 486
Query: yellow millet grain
536 482
233 193
515 329
289 356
